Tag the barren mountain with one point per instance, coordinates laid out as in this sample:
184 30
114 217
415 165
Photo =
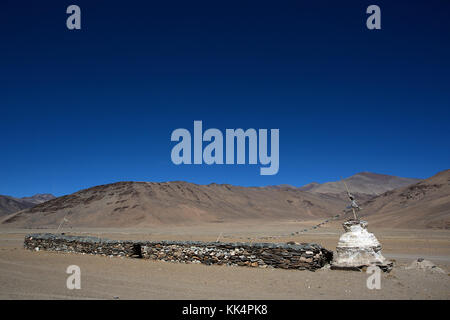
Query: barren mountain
310 186
364 183
422 205
126 204
138 204
39 198
9 205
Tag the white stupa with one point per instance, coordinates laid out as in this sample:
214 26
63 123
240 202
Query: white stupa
357 248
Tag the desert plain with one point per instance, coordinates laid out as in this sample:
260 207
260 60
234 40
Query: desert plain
26 274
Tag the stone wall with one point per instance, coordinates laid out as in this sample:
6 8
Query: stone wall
303 256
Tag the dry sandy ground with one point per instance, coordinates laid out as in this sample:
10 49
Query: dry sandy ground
41 275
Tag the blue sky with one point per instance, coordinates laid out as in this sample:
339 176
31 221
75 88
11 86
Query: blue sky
98 105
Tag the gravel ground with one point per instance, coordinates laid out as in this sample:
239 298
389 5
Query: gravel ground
42 275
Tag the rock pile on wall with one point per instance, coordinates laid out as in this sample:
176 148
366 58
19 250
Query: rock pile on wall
303 256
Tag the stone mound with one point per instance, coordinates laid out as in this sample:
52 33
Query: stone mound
425 265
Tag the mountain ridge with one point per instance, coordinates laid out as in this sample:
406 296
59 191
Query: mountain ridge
367 183
131 203
9 204
425 204
140 204
39 198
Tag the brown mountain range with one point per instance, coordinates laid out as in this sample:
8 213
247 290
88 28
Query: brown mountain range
126 204
425 204
39 198
365 183
10 205
139 204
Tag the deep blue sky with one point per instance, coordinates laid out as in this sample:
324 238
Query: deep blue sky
98 105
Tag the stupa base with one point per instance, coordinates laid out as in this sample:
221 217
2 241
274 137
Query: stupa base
385 267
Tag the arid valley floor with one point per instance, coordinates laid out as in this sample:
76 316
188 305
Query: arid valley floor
27 274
